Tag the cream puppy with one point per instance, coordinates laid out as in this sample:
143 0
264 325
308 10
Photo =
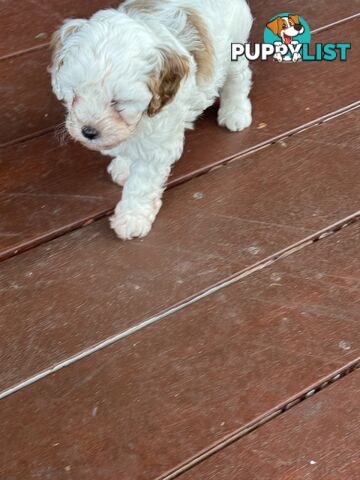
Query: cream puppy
133 79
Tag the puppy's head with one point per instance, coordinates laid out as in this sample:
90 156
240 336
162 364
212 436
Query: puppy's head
286 27
110 71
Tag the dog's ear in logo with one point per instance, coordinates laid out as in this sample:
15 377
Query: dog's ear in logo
295 22
295 19
275 25
165 84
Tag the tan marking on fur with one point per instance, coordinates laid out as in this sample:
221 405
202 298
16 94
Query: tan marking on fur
205 54
165 86
204 57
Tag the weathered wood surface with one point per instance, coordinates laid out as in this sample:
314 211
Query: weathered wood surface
156 399
209 228
317 440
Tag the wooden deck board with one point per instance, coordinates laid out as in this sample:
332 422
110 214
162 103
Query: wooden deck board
27 24
247 211
28 105
154 400
41 173
317 440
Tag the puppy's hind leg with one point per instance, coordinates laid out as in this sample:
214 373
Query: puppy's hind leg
235 106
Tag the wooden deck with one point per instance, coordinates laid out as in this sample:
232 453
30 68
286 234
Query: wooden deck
226 344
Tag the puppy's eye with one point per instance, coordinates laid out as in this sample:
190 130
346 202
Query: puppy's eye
117 105
284 25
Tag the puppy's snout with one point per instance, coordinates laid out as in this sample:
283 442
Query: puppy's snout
89 132
298 27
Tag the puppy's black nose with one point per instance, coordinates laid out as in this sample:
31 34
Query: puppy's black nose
298 27
89 132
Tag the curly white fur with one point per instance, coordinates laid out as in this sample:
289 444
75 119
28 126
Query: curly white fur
108 71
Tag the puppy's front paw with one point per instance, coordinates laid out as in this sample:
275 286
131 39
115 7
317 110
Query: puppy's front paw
119 169
235 118
130 225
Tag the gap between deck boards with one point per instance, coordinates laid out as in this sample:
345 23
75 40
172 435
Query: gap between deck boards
266 417
271 141
333 24
270 260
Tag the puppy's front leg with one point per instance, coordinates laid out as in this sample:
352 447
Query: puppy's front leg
142 193
119 169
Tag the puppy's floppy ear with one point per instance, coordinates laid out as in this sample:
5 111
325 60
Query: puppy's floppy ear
165 85
59 38
274 26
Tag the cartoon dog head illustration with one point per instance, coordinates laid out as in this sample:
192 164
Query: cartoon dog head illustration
286 27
